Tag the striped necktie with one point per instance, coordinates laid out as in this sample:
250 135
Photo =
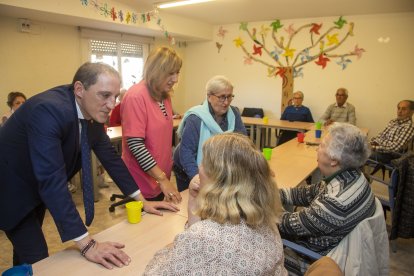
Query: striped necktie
88 199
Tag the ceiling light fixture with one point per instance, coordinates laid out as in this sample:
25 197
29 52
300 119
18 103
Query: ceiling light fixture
165 5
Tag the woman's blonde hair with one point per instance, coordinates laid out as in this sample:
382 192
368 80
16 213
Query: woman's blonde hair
241 187
160 63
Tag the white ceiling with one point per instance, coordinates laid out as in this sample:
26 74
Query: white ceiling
220 12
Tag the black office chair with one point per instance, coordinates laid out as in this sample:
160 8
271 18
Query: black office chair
255 113
124 200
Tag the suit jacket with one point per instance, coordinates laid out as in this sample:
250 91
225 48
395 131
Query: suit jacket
40 152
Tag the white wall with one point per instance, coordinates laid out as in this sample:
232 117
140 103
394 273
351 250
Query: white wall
34 62
376 82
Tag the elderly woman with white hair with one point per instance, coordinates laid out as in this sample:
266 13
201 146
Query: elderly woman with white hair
334 206
201 122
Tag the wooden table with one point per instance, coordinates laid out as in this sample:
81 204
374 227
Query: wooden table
258 125
292 162
142 241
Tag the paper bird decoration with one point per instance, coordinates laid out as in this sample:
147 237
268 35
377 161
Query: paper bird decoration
290 30
358 51
128 17
105 11
281 72
332 39
289 52
221 32
121 16
254 35
322 61
264 30
298 72
275 54
322 45
315 28
257 50
344 62
95 4
238 42
270 71
276 25
248 61
219 45
351 29
340 22
305 55
243 26
113 14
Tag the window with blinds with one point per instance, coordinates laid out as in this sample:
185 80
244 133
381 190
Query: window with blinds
127 58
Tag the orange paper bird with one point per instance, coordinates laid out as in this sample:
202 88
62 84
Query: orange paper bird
257 50
315 28
322 61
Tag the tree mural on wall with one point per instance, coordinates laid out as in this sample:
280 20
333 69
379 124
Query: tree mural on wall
287 62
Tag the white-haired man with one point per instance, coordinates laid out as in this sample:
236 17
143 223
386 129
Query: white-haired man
341 111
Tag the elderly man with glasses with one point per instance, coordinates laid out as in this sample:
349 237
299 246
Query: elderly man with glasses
199 123
341 111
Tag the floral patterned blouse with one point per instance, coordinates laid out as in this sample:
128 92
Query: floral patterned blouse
210 248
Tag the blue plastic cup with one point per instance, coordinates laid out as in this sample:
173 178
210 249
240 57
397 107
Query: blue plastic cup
19 270
318 133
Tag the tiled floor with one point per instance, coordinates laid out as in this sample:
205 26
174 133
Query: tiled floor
400 262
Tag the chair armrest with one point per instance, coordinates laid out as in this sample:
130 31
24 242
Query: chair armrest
302 250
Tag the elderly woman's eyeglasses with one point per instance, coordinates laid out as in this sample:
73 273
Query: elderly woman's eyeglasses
223 98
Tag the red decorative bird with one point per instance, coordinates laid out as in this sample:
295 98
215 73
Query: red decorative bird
315 28
281 72
257 50
322 61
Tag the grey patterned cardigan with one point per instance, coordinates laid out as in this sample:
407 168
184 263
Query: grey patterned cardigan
332 208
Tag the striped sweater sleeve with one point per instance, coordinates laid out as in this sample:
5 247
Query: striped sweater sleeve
137 147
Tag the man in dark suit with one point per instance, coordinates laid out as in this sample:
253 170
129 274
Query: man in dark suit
40 152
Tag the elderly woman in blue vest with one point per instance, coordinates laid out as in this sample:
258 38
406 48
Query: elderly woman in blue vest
199 123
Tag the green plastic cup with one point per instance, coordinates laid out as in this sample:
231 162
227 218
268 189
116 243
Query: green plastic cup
267 153
318 125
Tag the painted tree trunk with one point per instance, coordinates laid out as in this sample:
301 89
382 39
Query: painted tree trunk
287 88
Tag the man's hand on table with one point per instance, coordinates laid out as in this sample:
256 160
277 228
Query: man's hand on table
154 206
108 254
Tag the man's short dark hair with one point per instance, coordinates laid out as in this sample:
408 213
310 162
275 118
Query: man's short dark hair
89 72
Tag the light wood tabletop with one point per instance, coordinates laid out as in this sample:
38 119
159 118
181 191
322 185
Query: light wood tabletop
259 124
142 241
292 162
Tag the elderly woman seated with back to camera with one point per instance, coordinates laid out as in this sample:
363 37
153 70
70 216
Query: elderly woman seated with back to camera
334 206
232 214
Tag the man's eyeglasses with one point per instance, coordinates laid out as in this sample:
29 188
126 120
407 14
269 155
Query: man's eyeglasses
223 98
297 98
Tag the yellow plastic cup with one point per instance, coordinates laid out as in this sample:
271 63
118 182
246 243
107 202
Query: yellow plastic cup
133 209
267 152
265 120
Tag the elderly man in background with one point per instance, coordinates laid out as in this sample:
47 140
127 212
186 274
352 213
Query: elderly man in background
393 140
341 111
295 113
